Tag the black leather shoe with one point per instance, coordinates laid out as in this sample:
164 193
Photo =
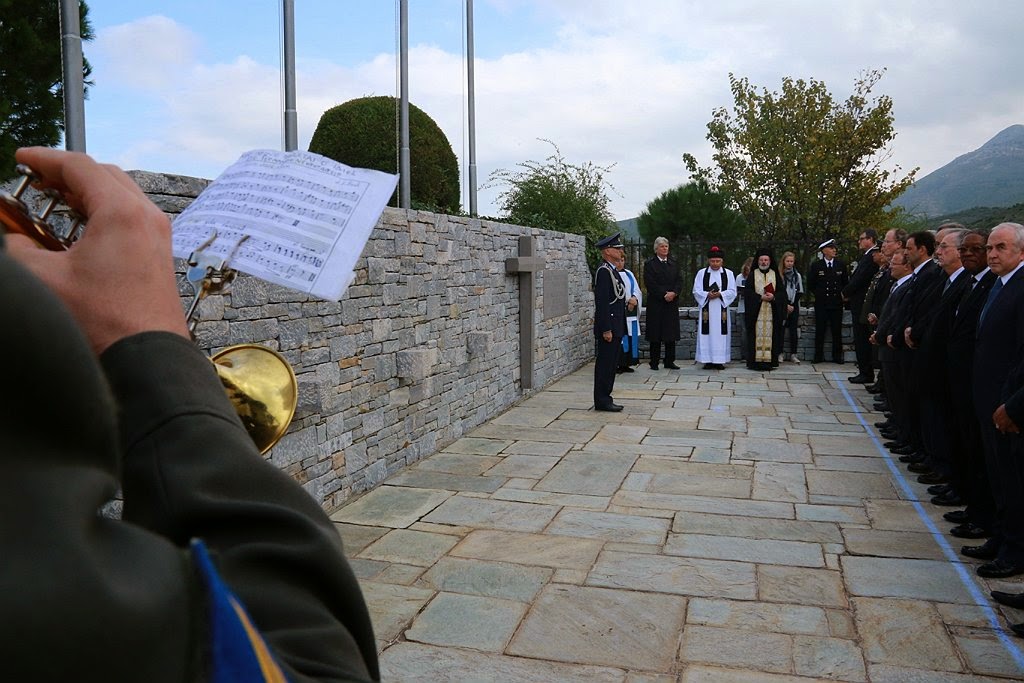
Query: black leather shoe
894 444
912 458
884 424
949 500
1009 599
939 489
921 468
839 361
936 478
654 366
612 408
818 359
873 389
998 569
625 369
986 551
1018 629
902 450
671 366
969 530
957 516
890 434
860 379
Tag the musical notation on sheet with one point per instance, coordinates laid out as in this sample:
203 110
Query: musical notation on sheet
307 218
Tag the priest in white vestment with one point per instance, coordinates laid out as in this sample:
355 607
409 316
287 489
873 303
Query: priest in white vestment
714 289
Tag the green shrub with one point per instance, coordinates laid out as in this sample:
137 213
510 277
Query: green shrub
363 133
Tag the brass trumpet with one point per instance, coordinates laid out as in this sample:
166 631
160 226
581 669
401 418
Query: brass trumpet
259 381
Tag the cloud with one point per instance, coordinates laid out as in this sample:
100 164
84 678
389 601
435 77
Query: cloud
149 53
630 84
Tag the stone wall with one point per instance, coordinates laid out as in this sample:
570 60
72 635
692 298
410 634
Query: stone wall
423 347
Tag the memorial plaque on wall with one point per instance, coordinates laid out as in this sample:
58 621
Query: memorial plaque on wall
556 293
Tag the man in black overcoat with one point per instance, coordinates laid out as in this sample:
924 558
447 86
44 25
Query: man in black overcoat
978 517
609 322
663 284
998 350
853 293
826 279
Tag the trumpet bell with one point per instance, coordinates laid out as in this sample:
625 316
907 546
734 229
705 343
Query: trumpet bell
262 387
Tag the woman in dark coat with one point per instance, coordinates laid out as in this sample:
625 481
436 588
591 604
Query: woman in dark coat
765 302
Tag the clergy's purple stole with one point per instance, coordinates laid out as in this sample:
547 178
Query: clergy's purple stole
705 311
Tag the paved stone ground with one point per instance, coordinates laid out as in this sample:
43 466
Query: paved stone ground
727 526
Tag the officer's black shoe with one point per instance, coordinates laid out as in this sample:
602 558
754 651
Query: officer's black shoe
610 408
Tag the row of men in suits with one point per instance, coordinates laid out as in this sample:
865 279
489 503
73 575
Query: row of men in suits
947 312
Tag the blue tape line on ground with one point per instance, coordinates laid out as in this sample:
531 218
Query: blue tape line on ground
972 587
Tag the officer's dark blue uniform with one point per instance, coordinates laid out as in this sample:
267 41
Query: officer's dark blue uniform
609 317
826 280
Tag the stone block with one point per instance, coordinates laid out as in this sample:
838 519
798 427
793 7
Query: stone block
478 344
415 364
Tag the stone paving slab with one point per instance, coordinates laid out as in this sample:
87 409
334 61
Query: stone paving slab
471 621
488 579
412 662
391 506
791 553
560 552
589 473
492 514
729 526
675 575
430 479
588 625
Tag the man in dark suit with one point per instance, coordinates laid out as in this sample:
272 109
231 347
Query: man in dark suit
928 338
915 303
977 518
854 293
900 272
663 284
826 280
609 322
998 350
1009 421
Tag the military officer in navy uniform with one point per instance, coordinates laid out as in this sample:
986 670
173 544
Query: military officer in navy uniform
609 322
826 280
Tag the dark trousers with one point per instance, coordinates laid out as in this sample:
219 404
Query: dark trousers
940 435
969 464
670 352
792 325
1004 461
830 319
604 370
862 347
894 396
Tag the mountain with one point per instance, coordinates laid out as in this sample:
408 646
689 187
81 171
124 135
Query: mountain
627 227
992 176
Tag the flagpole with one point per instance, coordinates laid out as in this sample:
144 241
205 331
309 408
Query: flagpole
74 82
291 121
405 184
471 106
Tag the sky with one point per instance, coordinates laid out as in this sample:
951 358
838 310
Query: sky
186 87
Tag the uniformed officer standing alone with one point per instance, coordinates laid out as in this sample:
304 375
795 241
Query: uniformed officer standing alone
609 322
826 280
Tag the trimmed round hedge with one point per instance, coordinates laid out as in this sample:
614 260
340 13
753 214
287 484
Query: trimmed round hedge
362 133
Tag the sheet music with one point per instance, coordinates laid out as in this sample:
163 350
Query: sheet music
307 218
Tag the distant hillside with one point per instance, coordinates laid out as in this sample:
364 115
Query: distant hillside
628 229
982 217
990 176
